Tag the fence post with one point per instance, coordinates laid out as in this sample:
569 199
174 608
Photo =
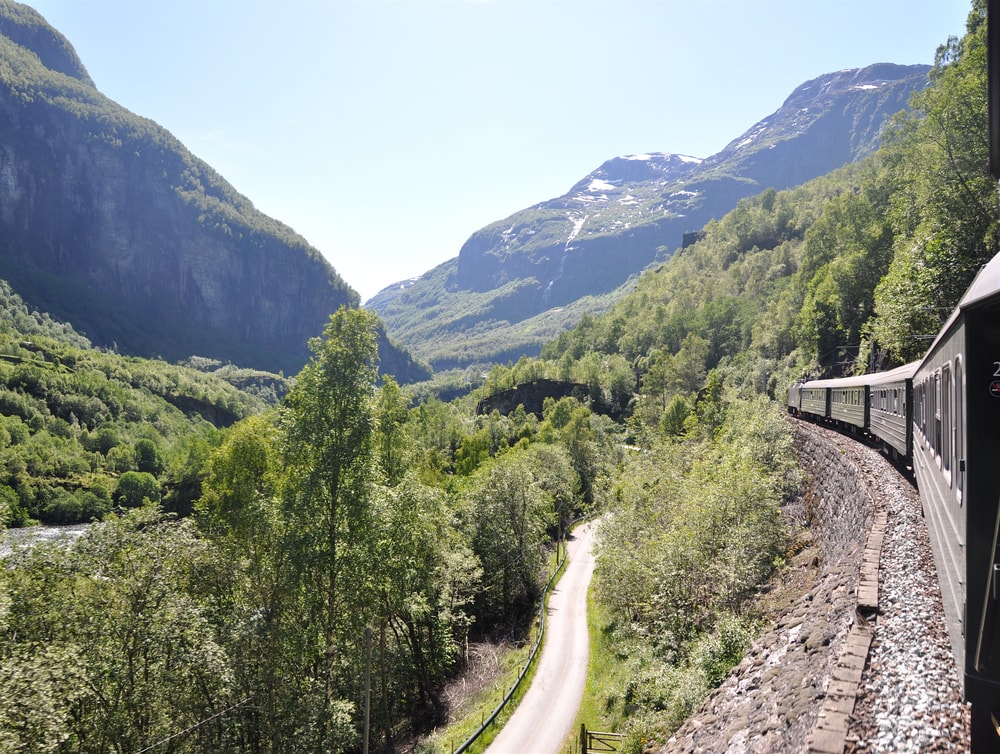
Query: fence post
583 738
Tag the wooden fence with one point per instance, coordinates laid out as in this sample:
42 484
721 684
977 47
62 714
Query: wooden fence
596 742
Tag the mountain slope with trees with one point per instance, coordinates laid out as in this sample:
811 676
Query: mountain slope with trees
109 223
519 282
849 272
85 432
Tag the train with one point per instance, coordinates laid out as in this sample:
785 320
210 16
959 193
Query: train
941 416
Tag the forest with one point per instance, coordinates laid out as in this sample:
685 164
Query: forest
263 541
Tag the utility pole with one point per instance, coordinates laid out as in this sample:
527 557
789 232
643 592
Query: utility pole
368 686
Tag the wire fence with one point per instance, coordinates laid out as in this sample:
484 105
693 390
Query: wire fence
527 665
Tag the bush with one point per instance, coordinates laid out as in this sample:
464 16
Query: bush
148 457
136 487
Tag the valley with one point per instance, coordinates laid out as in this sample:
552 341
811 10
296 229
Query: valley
310 510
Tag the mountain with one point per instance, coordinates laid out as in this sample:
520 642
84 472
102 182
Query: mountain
520 281
108 222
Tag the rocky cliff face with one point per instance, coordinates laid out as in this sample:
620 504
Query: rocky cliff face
633 211
107 221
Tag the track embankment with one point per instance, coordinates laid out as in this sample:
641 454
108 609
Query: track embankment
856 657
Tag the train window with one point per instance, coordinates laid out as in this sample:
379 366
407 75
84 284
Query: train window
934 412
959 426
923 410
946 396
925 407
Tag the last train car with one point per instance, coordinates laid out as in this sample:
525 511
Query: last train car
795 398
956 459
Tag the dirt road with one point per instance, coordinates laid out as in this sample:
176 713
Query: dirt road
545 715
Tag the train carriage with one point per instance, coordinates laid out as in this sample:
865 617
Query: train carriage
849 402
843 400
956 449
814 398
889 400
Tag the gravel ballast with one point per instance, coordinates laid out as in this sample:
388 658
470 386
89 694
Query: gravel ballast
905 691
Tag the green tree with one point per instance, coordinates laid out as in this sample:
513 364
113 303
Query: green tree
135 488
148 457
240 510
240 483
328 423
580 440
436 431
674 416
425 580
510 516
391 416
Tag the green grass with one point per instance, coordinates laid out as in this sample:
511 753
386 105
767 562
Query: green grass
606 677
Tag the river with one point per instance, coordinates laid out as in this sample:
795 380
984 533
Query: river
29 535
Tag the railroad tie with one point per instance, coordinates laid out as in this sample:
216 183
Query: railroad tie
830 734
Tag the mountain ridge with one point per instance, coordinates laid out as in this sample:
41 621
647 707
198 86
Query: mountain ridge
629 214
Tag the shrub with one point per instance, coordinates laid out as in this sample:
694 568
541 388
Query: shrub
135 487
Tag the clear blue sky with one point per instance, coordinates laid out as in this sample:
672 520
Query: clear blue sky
386 132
